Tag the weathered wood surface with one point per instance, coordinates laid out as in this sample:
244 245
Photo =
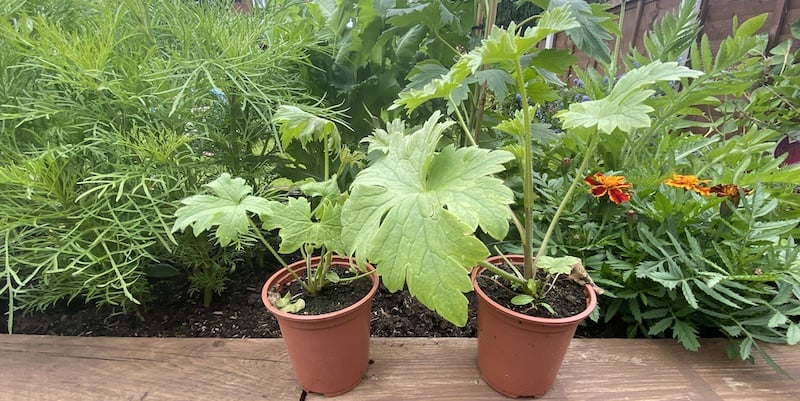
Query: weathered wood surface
103 368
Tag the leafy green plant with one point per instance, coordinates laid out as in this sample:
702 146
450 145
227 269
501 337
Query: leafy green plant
112 112
307 225
683 264
449 221
372 46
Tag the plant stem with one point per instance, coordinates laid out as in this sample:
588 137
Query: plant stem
529 270
461 121
585 162
502 273
277 256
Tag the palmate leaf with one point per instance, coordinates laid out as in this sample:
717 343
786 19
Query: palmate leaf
589 33
502 47
229 209
299 227
300 125
624 107
414 213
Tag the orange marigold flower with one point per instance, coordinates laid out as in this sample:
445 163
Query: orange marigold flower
689 182
613 185
731 191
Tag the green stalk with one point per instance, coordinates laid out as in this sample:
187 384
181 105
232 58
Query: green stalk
585 162
462 122
529 269
502 273
278 257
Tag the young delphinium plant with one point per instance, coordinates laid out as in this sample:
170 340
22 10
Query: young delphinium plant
419 225
309 225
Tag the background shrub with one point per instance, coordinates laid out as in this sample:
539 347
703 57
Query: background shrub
112 112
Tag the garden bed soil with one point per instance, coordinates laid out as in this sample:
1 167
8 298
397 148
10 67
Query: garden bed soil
239 313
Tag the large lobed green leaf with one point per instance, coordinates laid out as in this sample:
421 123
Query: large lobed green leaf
299 226
502 48
414 213
624 108
229 209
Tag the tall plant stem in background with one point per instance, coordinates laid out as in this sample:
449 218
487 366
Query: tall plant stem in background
561 206
527 177
529 266
491 18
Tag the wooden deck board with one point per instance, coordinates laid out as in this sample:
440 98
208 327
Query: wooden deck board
106 368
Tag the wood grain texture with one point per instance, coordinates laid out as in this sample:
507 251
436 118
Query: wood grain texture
108 368
105 368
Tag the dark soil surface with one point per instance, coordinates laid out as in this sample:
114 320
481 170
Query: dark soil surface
565 298
238 313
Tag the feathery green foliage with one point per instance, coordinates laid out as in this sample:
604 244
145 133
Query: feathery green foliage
113 111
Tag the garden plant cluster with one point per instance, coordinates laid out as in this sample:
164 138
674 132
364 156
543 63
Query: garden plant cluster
666 169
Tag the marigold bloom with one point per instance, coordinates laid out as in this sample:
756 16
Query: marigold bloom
729 190
689 182
613 185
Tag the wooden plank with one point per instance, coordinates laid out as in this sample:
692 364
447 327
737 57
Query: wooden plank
103 368
601 369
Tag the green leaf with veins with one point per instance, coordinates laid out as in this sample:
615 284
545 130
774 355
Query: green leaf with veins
229 209
560 265
589 34
500 48
624 107
299 226
300 125
504 45
414 213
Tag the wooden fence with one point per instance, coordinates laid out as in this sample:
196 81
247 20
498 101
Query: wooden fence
715 17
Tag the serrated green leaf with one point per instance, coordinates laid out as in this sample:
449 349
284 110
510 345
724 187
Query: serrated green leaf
686 335
414 213
324 189
733 331
439 88
298 226
411 16
793 334
751 26
408 45
607 116
424 72
299 125
560 265
660 326
624 107
745 348
554 60
688 294
714 294
589 35
497 81
705 51
777 319
229 210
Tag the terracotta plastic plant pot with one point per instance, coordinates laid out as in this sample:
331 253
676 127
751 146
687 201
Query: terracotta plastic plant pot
330 352
520 355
